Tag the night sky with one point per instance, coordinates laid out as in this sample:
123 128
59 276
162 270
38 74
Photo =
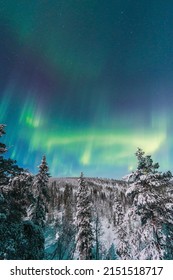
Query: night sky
86 82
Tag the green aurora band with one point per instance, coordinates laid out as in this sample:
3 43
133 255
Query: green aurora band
86 83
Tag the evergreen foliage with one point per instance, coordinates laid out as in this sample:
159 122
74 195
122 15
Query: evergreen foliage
41 194
84 237
32 242
141 214
19 237
145 163
147 171
8 169
147 224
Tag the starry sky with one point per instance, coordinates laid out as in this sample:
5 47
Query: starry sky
86 82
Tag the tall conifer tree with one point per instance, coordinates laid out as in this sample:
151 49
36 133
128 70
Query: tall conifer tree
84 219
42 196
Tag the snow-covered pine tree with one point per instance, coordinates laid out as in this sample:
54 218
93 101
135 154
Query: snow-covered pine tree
148 221
84 237
19 237
40 187
21 197
26 238
5 205
145 163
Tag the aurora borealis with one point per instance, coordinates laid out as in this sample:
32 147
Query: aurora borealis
86 82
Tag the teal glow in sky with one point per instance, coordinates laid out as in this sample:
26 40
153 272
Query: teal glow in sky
86 82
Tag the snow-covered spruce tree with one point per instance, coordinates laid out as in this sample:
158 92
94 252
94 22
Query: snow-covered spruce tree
26 238
147 228
84 237
40 187
19 237
4 201
21 197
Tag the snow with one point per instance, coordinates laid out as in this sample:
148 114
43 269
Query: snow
169 206
132 230
131 190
